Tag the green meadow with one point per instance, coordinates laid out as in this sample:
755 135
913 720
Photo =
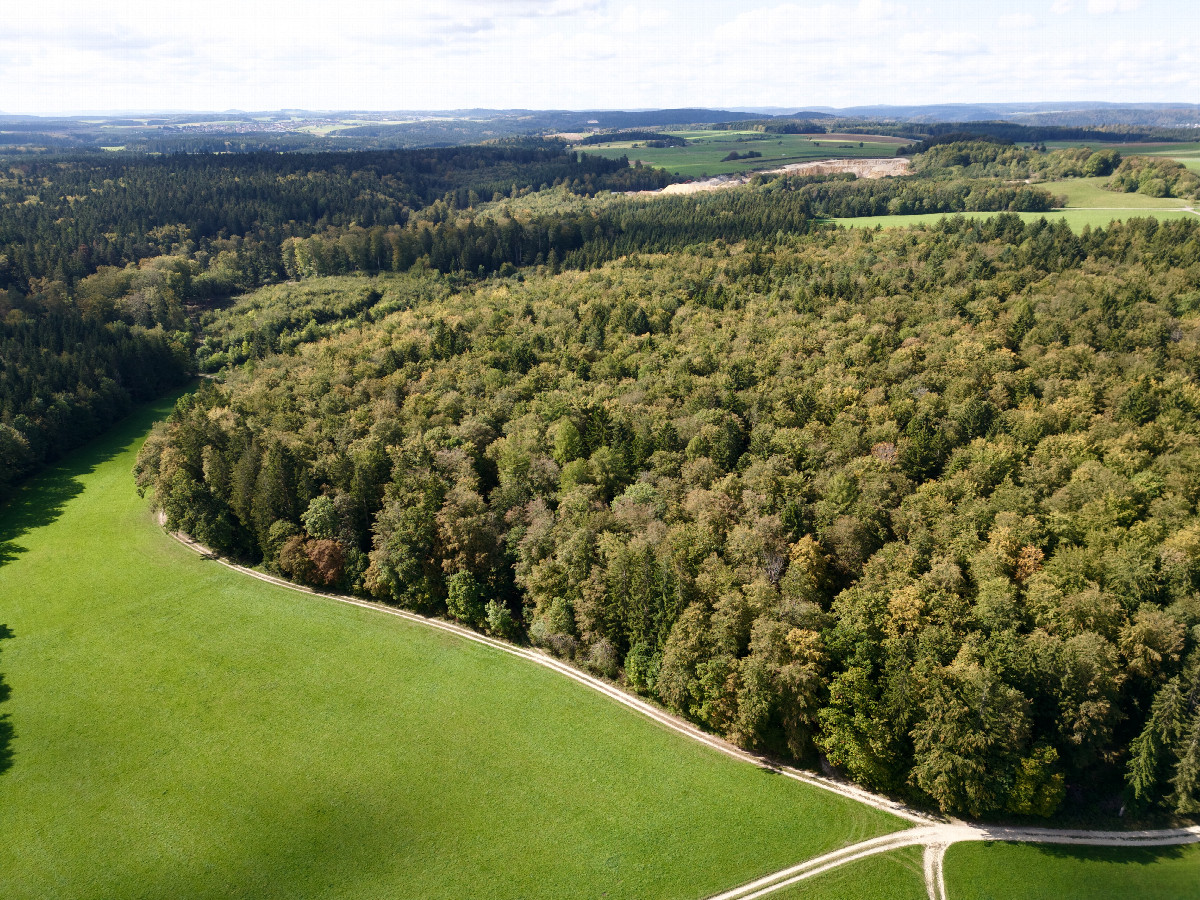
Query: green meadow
705 150
1087 205
1037 871
1089 193
1159 148
178 730
898 875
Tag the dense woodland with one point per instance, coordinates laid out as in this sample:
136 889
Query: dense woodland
65 379
1155 177
101 257
924 502
63 217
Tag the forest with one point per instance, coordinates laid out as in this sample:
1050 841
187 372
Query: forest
105 261
104 258
922 503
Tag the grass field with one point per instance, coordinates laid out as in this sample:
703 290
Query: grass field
185 731
706 149
1076 218
1035 872
898 875
1163 148
1089 193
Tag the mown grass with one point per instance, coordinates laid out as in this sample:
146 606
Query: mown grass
898 875
1075 218
1085 193
705 150
1037 871
181 730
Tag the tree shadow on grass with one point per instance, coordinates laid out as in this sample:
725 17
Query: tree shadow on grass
1128 855
44 497
6 728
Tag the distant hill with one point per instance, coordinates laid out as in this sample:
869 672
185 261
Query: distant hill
291 130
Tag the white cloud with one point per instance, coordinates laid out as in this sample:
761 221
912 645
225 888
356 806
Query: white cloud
59 55
1106 7
800 24
1017 21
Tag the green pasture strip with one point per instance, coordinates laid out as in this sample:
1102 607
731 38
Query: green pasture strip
1076 218
1154 148
997 871
1089 193
182 730
898 875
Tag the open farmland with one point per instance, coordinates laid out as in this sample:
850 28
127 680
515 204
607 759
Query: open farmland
706 149
185 731
1156 148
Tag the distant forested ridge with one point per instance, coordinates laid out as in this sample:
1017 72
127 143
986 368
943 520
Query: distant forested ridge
63 217
123 241
924 502
101 257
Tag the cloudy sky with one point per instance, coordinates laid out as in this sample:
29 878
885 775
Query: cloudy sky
69 56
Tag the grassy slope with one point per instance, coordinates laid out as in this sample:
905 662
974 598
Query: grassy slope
1088 193
184 731
703 155
1033 872
898 875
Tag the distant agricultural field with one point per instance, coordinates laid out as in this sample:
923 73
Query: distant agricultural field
182 730
1164 148
706 150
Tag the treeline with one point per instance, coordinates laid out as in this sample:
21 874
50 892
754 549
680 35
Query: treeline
1011 131
838 196
657 138
577 238
581 238
63 217
974 158
65 379
1155 177
924 502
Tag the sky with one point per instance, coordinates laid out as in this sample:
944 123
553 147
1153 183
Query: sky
66 56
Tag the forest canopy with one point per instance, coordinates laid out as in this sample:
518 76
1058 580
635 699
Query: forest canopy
923 502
